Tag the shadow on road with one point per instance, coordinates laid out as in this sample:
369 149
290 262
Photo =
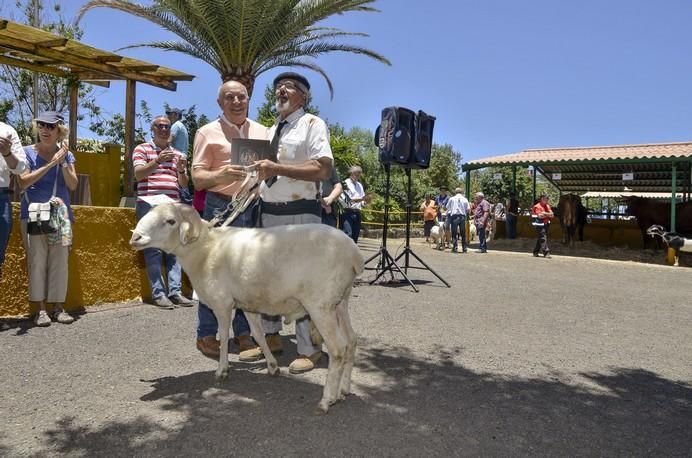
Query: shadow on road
409 406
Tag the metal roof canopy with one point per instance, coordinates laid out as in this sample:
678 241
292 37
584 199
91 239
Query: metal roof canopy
601 168
41 51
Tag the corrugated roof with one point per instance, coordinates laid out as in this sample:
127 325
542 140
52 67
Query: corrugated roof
639 168
616 195
589 153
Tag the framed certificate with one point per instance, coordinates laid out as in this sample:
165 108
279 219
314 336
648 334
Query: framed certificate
245 151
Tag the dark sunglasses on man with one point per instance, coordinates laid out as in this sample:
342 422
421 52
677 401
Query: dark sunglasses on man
162 126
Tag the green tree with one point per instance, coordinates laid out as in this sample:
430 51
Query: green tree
497 189
113 128
16 85
242 39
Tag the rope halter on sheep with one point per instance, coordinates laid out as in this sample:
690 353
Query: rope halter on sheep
242 198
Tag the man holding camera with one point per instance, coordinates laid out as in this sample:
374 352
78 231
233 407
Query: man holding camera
160 169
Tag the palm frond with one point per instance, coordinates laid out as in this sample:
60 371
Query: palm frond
243 38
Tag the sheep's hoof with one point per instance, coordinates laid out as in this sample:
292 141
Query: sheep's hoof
322 408
221 374
274 371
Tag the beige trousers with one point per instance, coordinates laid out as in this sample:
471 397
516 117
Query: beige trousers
47 266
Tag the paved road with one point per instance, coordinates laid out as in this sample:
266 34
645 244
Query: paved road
522 356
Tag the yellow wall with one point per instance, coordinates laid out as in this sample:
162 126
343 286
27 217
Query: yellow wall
102 266
104 175
599 231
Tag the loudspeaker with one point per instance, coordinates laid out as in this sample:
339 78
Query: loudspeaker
422 148
395 135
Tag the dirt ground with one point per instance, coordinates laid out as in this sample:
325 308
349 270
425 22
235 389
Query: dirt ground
522 356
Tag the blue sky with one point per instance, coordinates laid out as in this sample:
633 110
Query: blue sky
500 75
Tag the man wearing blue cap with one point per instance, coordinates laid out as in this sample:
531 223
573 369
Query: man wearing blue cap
179 136
290 194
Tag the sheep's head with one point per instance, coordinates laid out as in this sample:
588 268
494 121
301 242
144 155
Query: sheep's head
166 227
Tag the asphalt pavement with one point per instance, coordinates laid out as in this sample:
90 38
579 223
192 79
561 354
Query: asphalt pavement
521 356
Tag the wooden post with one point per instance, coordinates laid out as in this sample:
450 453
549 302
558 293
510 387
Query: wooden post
673 199
533 200
130 102
74 103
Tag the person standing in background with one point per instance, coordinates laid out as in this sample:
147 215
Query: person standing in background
355 201
511 214
160 169
13 161
331 190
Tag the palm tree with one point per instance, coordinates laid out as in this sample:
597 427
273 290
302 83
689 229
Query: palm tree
242 39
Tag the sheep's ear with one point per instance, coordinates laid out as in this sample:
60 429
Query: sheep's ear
187 233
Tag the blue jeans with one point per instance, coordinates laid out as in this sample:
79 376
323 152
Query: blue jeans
329 219
511 225
207 324
351 220
5 223
458 223
480 229
153 258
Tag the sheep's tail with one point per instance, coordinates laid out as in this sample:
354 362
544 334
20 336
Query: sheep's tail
315 335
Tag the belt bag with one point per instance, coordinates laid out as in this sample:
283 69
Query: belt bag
43 216
536 221
296 207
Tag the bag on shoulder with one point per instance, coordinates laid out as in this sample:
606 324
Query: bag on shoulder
42 218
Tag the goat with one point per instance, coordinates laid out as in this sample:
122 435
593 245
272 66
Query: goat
438 235
292 271
674 240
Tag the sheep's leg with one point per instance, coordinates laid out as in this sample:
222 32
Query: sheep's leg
255 322
345 324
335 340
223 315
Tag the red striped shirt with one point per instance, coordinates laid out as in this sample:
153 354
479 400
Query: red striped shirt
163 180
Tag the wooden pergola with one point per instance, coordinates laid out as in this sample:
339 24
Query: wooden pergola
40 51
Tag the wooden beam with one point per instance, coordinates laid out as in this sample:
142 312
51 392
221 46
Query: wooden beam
52 43
130 103
33 66
74 104
69 58
140 68
109 58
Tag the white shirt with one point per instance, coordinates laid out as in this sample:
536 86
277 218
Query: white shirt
304 138
18 152
458 205
354 190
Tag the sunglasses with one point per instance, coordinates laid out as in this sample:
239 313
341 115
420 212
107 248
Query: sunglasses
162 126
43 125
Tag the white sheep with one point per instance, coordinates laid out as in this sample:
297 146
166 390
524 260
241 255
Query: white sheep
285 270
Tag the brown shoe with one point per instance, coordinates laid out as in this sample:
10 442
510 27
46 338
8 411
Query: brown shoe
304 363
249 351
255 353
245 342
274 342
209 347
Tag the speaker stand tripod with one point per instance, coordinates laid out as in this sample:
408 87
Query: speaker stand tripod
385 261
407 249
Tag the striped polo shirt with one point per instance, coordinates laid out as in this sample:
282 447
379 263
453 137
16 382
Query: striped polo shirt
163 180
